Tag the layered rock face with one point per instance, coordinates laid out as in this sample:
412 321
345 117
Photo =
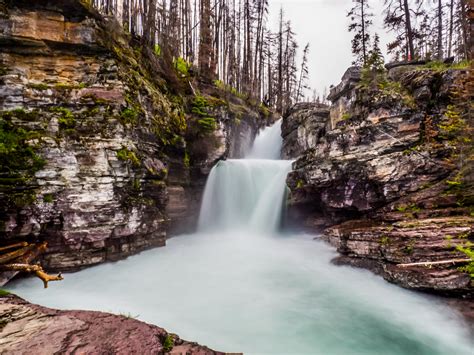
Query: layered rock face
27 328
303 128
388 171
97 159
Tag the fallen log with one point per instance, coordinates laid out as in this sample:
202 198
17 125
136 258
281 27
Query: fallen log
441 262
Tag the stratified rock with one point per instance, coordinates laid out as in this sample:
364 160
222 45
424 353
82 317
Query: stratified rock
117 171
343 95
382 177
31 329
302 128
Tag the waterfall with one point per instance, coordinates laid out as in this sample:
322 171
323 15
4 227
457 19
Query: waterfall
247 193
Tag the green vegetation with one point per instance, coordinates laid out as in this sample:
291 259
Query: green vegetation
469 252
64 86
129 115
157 50
18 158
453 125
48 198
3 293
66 119
182 67
207 124
127 155
384 240
346 116
168 343
440 67
41 86
186 159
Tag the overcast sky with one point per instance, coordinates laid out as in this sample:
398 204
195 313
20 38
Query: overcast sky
323 23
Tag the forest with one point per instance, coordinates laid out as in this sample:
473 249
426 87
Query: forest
231 42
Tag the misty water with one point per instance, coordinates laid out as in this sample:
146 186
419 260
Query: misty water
241 285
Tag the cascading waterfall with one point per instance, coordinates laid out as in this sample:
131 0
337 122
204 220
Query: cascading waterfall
247 193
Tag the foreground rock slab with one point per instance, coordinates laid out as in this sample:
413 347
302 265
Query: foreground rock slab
27 328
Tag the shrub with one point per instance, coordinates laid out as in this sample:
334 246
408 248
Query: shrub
168 343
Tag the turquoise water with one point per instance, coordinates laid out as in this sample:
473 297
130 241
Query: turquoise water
261 294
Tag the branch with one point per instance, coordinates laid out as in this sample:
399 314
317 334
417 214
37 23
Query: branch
36 269
5 258
442 262
14 246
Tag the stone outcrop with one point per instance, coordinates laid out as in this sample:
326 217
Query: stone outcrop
100 162
27 328
302 128
386 181
343 96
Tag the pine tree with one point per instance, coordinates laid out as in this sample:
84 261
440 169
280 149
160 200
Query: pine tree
302 86
361 22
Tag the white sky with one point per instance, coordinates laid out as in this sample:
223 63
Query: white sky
323 23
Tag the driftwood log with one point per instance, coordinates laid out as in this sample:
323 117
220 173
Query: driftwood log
18 257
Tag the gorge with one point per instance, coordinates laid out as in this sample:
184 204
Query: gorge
166 195
241 285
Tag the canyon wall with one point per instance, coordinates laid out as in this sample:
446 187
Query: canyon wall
101 150
386 175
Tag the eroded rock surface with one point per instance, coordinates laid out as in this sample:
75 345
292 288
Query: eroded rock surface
26 328
385 177
107 164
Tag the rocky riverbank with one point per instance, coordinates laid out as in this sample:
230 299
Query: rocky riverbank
387 174
28 328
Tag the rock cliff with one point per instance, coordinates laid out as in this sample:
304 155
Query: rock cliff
390 173
101 150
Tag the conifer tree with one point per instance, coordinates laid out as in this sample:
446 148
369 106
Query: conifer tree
360 23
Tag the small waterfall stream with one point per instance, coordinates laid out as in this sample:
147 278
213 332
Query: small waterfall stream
234 286
247 193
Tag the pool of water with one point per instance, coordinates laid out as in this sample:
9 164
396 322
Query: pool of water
257 293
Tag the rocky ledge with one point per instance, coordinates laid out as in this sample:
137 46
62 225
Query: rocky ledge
27 328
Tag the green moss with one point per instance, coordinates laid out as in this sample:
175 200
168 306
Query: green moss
186 160
207 124
129 115
157 50
127 155
168 343
410 247
199 105
17 158
384 240
48 198
40 86
66 119
469 252
64 86
3 292
299 184
346 116
182 67
137 184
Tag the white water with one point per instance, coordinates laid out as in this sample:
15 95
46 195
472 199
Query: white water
235 286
